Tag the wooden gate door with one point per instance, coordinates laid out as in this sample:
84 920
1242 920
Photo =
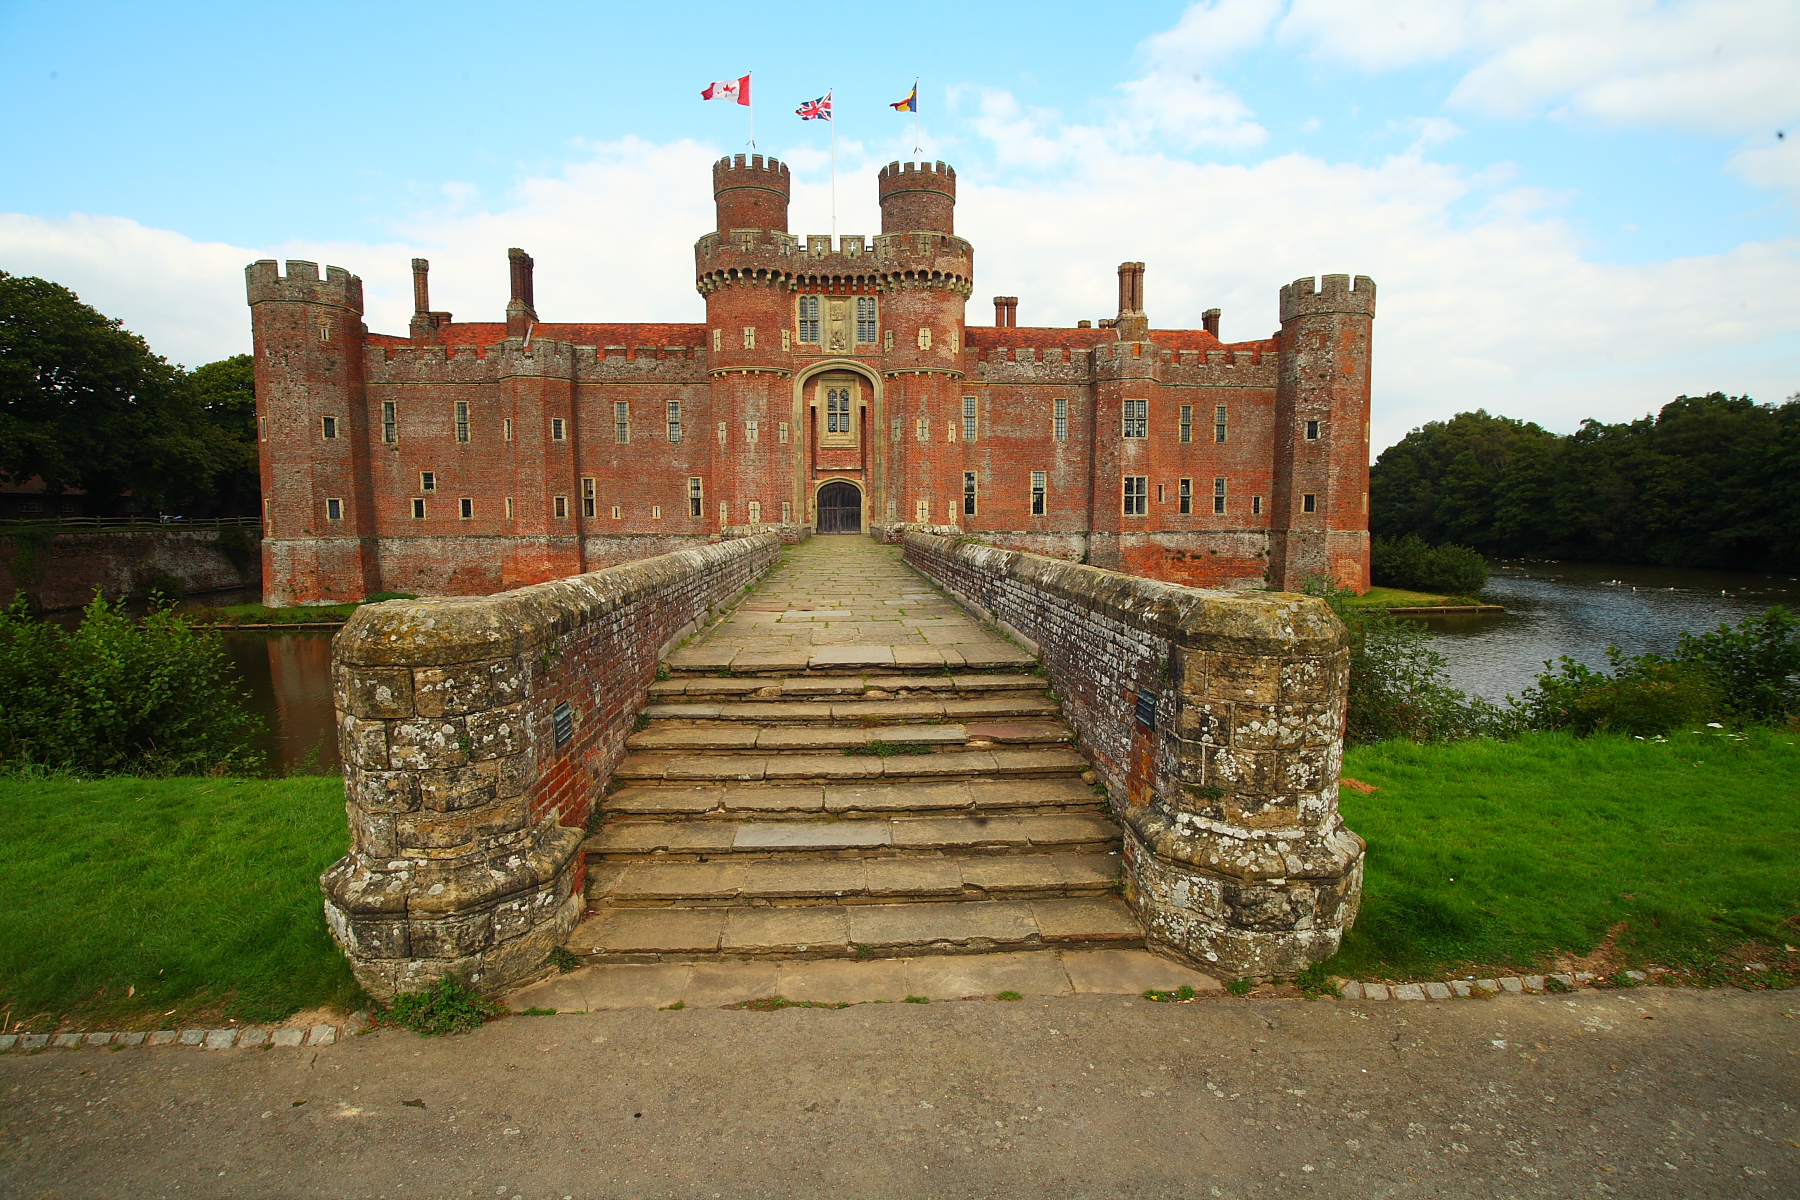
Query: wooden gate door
840 507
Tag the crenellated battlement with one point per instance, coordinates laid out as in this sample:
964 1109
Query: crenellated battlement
430 363
263 281
756 171
776 259
914 177
1332 294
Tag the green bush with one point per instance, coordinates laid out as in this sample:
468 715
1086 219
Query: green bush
1641 696
120 697
1756 665
1409 562
450 1007
1399 685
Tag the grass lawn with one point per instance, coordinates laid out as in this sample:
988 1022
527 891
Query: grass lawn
1386 597
1507 853
200 894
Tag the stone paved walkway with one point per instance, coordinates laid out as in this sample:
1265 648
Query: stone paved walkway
844 603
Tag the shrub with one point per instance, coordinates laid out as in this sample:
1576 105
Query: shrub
1409 562
1756 665
119 697
450 1007
1641 696
1399 685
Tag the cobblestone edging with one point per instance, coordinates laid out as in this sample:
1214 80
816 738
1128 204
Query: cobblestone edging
1465 989
206 1039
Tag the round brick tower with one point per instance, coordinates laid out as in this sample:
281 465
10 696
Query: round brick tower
743 271
751 195
928 273
916 197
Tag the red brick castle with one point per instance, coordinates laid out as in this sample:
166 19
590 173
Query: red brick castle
831 387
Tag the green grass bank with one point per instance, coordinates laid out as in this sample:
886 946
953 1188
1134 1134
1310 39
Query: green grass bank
1491 854
147 903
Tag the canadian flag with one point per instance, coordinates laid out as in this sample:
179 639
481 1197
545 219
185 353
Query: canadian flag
728 89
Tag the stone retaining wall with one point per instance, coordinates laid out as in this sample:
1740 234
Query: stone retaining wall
1216 722
476 734
59 570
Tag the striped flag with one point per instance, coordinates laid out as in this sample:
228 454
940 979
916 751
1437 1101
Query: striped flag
728 89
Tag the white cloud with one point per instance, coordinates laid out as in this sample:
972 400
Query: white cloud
1720 66
1213 32
1500 309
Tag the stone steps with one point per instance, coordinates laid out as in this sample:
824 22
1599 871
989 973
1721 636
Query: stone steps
735 801
849 800
741 736
962 683
686 934
791 882
941 763
649 840
828 711
844 660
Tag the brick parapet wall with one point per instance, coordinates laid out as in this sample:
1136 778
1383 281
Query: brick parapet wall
466 816
1235 855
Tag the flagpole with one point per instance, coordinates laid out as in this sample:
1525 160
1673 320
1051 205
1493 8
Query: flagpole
833 169
915 115
752 107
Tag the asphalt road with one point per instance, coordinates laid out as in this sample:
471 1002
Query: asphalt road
1638 1094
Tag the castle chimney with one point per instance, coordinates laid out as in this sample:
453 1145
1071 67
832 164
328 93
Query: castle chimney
917 198
751 194
424 328
1006 312
1209 321
1132 324
521 311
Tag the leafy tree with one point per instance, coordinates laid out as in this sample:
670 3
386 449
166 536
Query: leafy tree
85 403
226 392
1709 481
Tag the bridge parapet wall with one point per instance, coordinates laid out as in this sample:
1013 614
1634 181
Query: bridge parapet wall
477 733
1216 723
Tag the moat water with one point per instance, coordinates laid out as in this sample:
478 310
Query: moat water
1552 609
1579 609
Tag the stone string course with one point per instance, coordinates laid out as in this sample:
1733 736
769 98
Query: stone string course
466 811
1235 856
205 1039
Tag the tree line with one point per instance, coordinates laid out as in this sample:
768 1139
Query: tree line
1709 481
86 404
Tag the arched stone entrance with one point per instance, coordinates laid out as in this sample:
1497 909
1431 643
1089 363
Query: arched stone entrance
840 505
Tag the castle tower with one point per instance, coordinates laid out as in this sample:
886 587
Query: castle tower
748 303
1321 498
924 307
313 424
751 195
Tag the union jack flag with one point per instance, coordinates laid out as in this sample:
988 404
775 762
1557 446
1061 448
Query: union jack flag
815 110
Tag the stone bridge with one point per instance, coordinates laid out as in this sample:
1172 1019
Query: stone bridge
840 749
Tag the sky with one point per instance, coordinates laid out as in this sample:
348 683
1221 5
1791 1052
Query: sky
1571 209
